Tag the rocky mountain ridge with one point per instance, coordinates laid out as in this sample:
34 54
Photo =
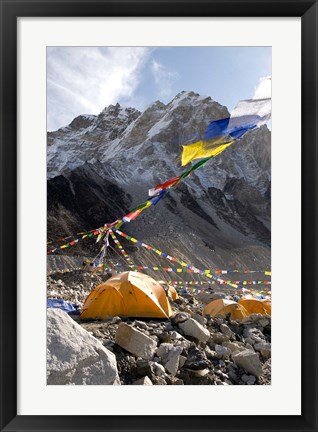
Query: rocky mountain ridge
101 166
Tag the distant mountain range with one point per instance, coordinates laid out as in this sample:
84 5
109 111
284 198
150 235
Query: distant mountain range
101 166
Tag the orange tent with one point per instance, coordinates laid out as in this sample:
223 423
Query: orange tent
254 306
223 307
172 293
130 294
268 306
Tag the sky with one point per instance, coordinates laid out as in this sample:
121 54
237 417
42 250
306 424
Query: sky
84 80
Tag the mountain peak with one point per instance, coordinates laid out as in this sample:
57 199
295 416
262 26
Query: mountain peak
82 121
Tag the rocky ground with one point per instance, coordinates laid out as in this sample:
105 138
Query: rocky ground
186 349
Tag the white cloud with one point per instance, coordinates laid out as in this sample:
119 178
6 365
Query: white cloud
83 80
164 78
264 88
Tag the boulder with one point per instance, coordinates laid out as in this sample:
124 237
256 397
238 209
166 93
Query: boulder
249 361
194 329
74 356
135 341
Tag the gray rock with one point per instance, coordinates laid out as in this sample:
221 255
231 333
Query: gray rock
249 341
251 380
264 322
253 335
196 360
182 360
74 356
175 335
184 343
233 346
201 319
141 325
233 376
158 369
192 328
98 334
264 348
245 378
222 352
159 380
135 342
226 330
165 337
249 361
143 381
116 320
180 317
209 353
143 367
172 364
219 338
249 346
163 349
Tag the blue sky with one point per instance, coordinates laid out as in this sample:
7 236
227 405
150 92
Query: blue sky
83 80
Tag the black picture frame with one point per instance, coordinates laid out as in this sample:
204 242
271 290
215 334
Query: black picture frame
10 11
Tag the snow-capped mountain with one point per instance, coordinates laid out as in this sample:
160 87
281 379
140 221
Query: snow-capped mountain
100 166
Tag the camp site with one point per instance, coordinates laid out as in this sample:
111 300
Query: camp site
159 242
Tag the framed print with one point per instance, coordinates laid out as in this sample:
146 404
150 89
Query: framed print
140 316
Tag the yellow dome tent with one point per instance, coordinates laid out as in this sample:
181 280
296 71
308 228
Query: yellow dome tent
172 293
129 294
223 307
267 305
254 306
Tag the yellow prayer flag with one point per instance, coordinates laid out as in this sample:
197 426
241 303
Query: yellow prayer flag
202 149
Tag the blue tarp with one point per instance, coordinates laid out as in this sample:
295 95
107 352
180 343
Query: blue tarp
70 308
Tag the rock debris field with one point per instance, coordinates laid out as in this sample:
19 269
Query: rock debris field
187 349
